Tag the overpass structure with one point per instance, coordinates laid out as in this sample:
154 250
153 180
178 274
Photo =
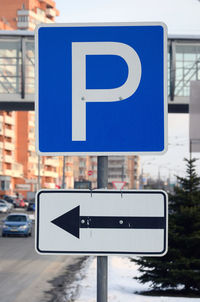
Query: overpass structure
17 60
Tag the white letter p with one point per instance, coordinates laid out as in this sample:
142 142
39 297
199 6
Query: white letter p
81 95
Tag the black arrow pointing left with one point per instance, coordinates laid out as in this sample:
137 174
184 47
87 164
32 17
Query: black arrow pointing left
71 222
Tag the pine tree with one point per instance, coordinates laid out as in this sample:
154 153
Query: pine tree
181 265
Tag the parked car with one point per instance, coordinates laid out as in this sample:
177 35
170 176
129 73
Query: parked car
31 206
9 205
3 208
16 201
19 202
12 199
17 224
9 199
26 202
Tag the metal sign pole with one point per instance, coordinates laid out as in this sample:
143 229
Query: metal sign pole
64 168
102 261
38 176
102 278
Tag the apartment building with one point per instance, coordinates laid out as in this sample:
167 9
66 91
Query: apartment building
4 24
123 169
69 172
120 169
10 169
26 14
45 172
20 166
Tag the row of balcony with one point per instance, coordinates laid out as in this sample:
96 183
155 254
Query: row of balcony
7 132
7 158
28 19
118 177
51 162
7 146
31 123
7 119
16 171
31 135
46 173
116 165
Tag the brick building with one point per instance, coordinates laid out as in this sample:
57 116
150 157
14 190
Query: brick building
26 14
19 168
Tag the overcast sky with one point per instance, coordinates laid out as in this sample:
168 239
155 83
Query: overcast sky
181 17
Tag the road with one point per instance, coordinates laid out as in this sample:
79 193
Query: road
25 275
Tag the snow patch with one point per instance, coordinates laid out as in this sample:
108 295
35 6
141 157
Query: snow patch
121 285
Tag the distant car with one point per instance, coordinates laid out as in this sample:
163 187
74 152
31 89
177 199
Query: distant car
17 224
9 199
26 202
19 203
31 206
9 205
3 208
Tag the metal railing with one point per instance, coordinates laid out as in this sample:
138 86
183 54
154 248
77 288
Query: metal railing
17 67
17 60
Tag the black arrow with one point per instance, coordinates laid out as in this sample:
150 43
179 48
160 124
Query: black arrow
72 222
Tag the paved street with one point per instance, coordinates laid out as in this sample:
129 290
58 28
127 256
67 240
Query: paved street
24 274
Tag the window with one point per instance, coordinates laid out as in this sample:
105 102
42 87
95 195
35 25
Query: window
10 66
187 67
5 185
23 19
16 218
40 12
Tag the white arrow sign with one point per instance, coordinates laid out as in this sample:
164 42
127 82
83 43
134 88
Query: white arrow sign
101 222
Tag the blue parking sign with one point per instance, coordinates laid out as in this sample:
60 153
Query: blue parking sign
101 89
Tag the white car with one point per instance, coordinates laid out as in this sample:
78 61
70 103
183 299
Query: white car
9 205
3 208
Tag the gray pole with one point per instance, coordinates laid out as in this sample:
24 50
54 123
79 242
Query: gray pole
102 278
190 149
122 172
102 172
38 179
102 261
142 181
63 176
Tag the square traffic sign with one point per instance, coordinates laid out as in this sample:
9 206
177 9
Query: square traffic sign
101 89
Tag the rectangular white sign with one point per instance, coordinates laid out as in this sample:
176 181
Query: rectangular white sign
101 222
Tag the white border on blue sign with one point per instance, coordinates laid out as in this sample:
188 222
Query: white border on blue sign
78 153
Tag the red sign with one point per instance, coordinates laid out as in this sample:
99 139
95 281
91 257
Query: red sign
118 185
90 172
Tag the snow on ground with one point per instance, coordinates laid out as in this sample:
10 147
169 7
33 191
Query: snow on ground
121 285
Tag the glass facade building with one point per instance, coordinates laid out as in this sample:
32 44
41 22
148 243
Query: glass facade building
183 67
17 70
